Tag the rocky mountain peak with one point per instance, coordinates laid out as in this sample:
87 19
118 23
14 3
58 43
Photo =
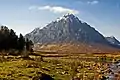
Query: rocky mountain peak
66 29
67 17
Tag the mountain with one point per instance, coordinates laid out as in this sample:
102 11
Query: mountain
69 34
113 40
67 28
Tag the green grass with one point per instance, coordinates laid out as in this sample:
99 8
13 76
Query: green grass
60 68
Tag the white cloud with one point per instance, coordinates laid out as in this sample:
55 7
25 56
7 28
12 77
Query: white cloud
55 9
93 2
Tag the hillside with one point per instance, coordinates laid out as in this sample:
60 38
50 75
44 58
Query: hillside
75 48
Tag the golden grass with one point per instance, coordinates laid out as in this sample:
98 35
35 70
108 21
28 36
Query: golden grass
83 66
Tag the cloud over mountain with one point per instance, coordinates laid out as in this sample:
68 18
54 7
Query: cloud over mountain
55 9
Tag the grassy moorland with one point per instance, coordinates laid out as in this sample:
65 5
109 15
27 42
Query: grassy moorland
63 67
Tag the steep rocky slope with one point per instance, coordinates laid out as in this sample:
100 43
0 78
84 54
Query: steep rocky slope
64 29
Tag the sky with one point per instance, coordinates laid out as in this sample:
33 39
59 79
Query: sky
25 15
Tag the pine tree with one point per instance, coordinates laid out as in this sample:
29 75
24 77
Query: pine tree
9 41
21 43
13 39
29 44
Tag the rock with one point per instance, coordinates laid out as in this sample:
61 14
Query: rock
76 79
43 77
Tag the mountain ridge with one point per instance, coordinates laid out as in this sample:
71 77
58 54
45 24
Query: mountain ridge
68 28
113 40
69 25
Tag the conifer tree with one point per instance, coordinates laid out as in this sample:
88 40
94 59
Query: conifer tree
21 43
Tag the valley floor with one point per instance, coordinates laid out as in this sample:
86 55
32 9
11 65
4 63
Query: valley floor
58 66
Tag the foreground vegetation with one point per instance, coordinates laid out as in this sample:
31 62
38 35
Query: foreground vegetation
66 67
17 62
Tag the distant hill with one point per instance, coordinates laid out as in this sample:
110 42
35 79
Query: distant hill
68 28
113 40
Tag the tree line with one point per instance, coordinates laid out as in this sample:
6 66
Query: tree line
10 41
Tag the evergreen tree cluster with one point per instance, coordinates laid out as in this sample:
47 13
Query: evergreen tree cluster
9 40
